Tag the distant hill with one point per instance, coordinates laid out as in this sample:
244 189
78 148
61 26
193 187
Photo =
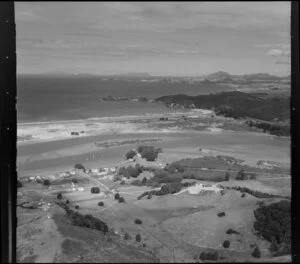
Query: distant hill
235 104
221 76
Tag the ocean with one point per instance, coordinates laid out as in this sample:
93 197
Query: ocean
54 98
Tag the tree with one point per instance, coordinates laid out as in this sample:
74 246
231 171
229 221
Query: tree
227 176
144 180
67 202
59 196
138 238
243 195
117 196
130 154
46 182
76 206
95 190
138 221
100 204
221 214
241 175
79 166
256 252
226 244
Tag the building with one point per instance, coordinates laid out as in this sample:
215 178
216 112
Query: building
94 170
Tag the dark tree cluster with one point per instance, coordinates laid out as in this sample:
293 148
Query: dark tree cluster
130 171
168 188
138 221
256 252
209 256
273 223
256 194
46 182
79 167
162 176
59 196
273 129
87 221
95 190
138 238
226 244
100 204
149 153
130 154
221 214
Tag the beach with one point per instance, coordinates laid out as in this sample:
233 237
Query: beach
46 147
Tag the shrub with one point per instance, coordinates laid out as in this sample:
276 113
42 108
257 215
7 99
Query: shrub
100 204
95 190
221 214
138 238
231 231
121 200
243 195
46 182
127 236
79 167
76 206
256 252
59 196
226 244
117 196
67 201
174 167
130 154
19 184
138 221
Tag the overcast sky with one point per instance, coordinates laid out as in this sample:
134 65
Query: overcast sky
161 38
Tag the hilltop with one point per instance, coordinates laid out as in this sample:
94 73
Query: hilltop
234 104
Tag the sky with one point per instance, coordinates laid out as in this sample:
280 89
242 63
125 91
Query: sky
160 38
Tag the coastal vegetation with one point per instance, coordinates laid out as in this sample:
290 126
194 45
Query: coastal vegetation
269 112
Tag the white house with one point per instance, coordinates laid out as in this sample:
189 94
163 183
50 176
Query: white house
80 189
94 170
73 173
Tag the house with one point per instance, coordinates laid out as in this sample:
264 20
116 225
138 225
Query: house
113 169
94 170
80 189
73 173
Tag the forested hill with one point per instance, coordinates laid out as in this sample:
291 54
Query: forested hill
234 104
